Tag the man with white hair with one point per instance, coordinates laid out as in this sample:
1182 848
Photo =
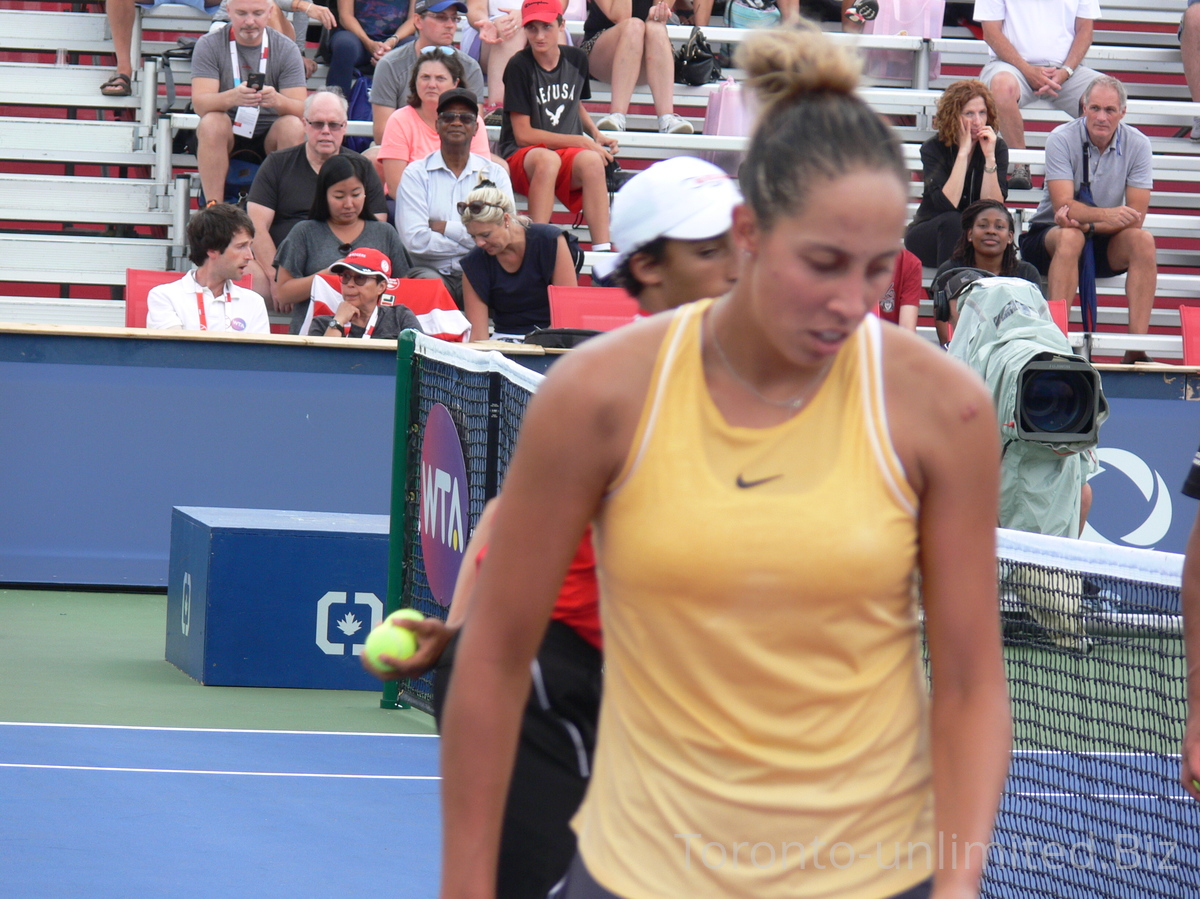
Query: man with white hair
1115 159
282 192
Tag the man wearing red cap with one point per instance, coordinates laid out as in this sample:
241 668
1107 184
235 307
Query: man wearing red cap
552 145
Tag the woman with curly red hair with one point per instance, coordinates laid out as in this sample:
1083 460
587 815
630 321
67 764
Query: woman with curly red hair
964 162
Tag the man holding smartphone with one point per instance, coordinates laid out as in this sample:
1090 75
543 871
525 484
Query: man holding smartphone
248 87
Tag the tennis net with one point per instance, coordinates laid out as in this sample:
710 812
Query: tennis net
486 395
1093 650
1095 664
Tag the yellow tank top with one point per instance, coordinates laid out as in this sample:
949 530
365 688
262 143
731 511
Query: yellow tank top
764 726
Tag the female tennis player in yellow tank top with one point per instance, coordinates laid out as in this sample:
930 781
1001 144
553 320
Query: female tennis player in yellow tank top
767 473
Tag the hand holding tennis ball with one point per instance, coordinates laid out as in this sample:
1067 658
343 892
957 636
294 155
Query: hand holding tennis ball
392 640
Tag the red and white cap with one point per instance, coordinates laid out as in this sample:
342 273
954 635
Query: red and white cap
365 261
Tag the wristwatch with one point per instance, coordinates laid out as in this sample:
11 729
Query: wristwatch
337 324
989 169
1066 68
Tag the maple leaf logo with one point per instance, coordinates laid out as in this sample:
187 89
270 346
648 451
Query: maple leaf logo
349 625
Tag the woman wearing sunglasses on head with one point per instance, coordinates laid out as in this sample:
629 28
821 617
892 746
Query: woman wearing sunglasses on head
513 263
364 280
411 131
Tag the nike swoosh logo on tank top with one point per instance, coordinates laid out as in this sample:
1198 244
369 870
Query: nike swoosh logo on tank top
743 483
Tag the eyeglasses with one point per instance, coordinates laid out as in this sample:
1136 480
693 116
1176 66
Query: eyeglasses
463 118
434 48
332 126
344 248
359 280
476 207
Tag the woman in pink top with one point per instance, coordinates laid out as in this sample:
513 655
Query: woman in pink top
409 134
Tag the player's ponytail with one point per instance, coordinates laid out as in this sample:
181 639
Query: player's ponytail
811 126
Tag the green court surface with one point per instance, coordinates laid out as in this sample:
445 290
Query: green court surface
98 658
1124 695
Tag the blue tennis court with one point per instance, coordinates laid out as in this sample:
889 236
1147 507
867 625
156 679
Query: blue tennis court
107 811
1094 824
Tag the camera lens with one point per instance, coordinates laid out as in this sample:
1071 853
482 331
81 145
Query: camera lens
1057 402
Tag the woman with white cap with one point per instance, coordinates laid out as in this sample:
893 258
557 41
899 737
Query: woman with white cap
670 224
558 730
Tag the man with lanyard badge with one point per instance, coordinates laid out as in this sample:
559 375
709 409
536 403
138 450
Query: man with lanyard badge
248 88
206 299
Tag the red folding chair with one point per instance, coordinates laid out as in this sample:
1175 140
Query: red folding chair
138 284
1058 311
1189 320
595 308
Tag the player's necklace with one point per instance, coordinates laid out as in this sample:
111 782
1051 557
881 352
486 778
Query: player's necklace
793 405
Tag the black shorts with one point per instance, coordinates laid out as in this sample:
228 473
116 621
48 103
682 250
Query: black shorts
581 885
1033 251
553 764
246 148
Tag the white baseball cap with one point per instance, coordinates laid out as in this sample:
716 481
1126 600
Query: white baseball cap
682 198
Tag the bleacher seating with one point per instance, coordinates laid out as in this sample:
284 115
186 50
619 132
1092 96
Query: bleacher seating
73 229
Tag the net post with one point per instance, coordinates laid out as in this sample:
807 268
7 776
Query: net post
397 570
492 473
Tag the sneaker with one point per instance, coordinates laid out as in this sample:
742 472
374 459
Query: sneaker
1019 178
1195 135
673 124
494 116
1136 357
614 121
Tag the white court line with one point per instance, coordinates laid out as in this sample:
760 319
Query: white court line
229 773
213 730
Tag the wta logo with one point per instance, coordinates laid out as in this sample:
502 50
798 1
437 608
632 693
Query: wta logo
443 494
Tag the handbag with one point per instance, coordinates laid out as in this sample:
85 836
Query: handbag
751 14
729 115
915 18
695 63
559 338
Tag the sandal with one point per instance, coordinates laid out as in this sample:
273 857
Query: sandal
118 85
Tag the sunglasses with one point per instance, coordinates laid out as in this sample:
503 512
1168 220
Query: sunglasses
432 48
463 118
476 207
359 280
332 126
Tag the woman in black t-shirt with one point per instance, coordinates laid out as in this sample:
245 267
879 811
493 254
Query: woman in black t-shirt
512 265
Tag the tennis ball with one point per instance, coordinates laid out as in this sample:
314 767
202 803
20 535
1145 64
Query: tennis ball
389 640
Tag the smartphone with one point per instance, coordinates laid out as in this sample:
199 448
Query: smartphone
255 80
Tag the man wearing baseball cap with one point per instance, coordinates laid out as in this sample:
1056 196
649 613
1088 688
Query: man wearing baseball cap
431 188
436 22
552 146
364 280
671 224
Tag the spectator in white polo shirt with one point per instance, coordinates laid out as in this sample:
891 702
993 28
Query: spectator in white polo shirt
431 188
220 238
1037 49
